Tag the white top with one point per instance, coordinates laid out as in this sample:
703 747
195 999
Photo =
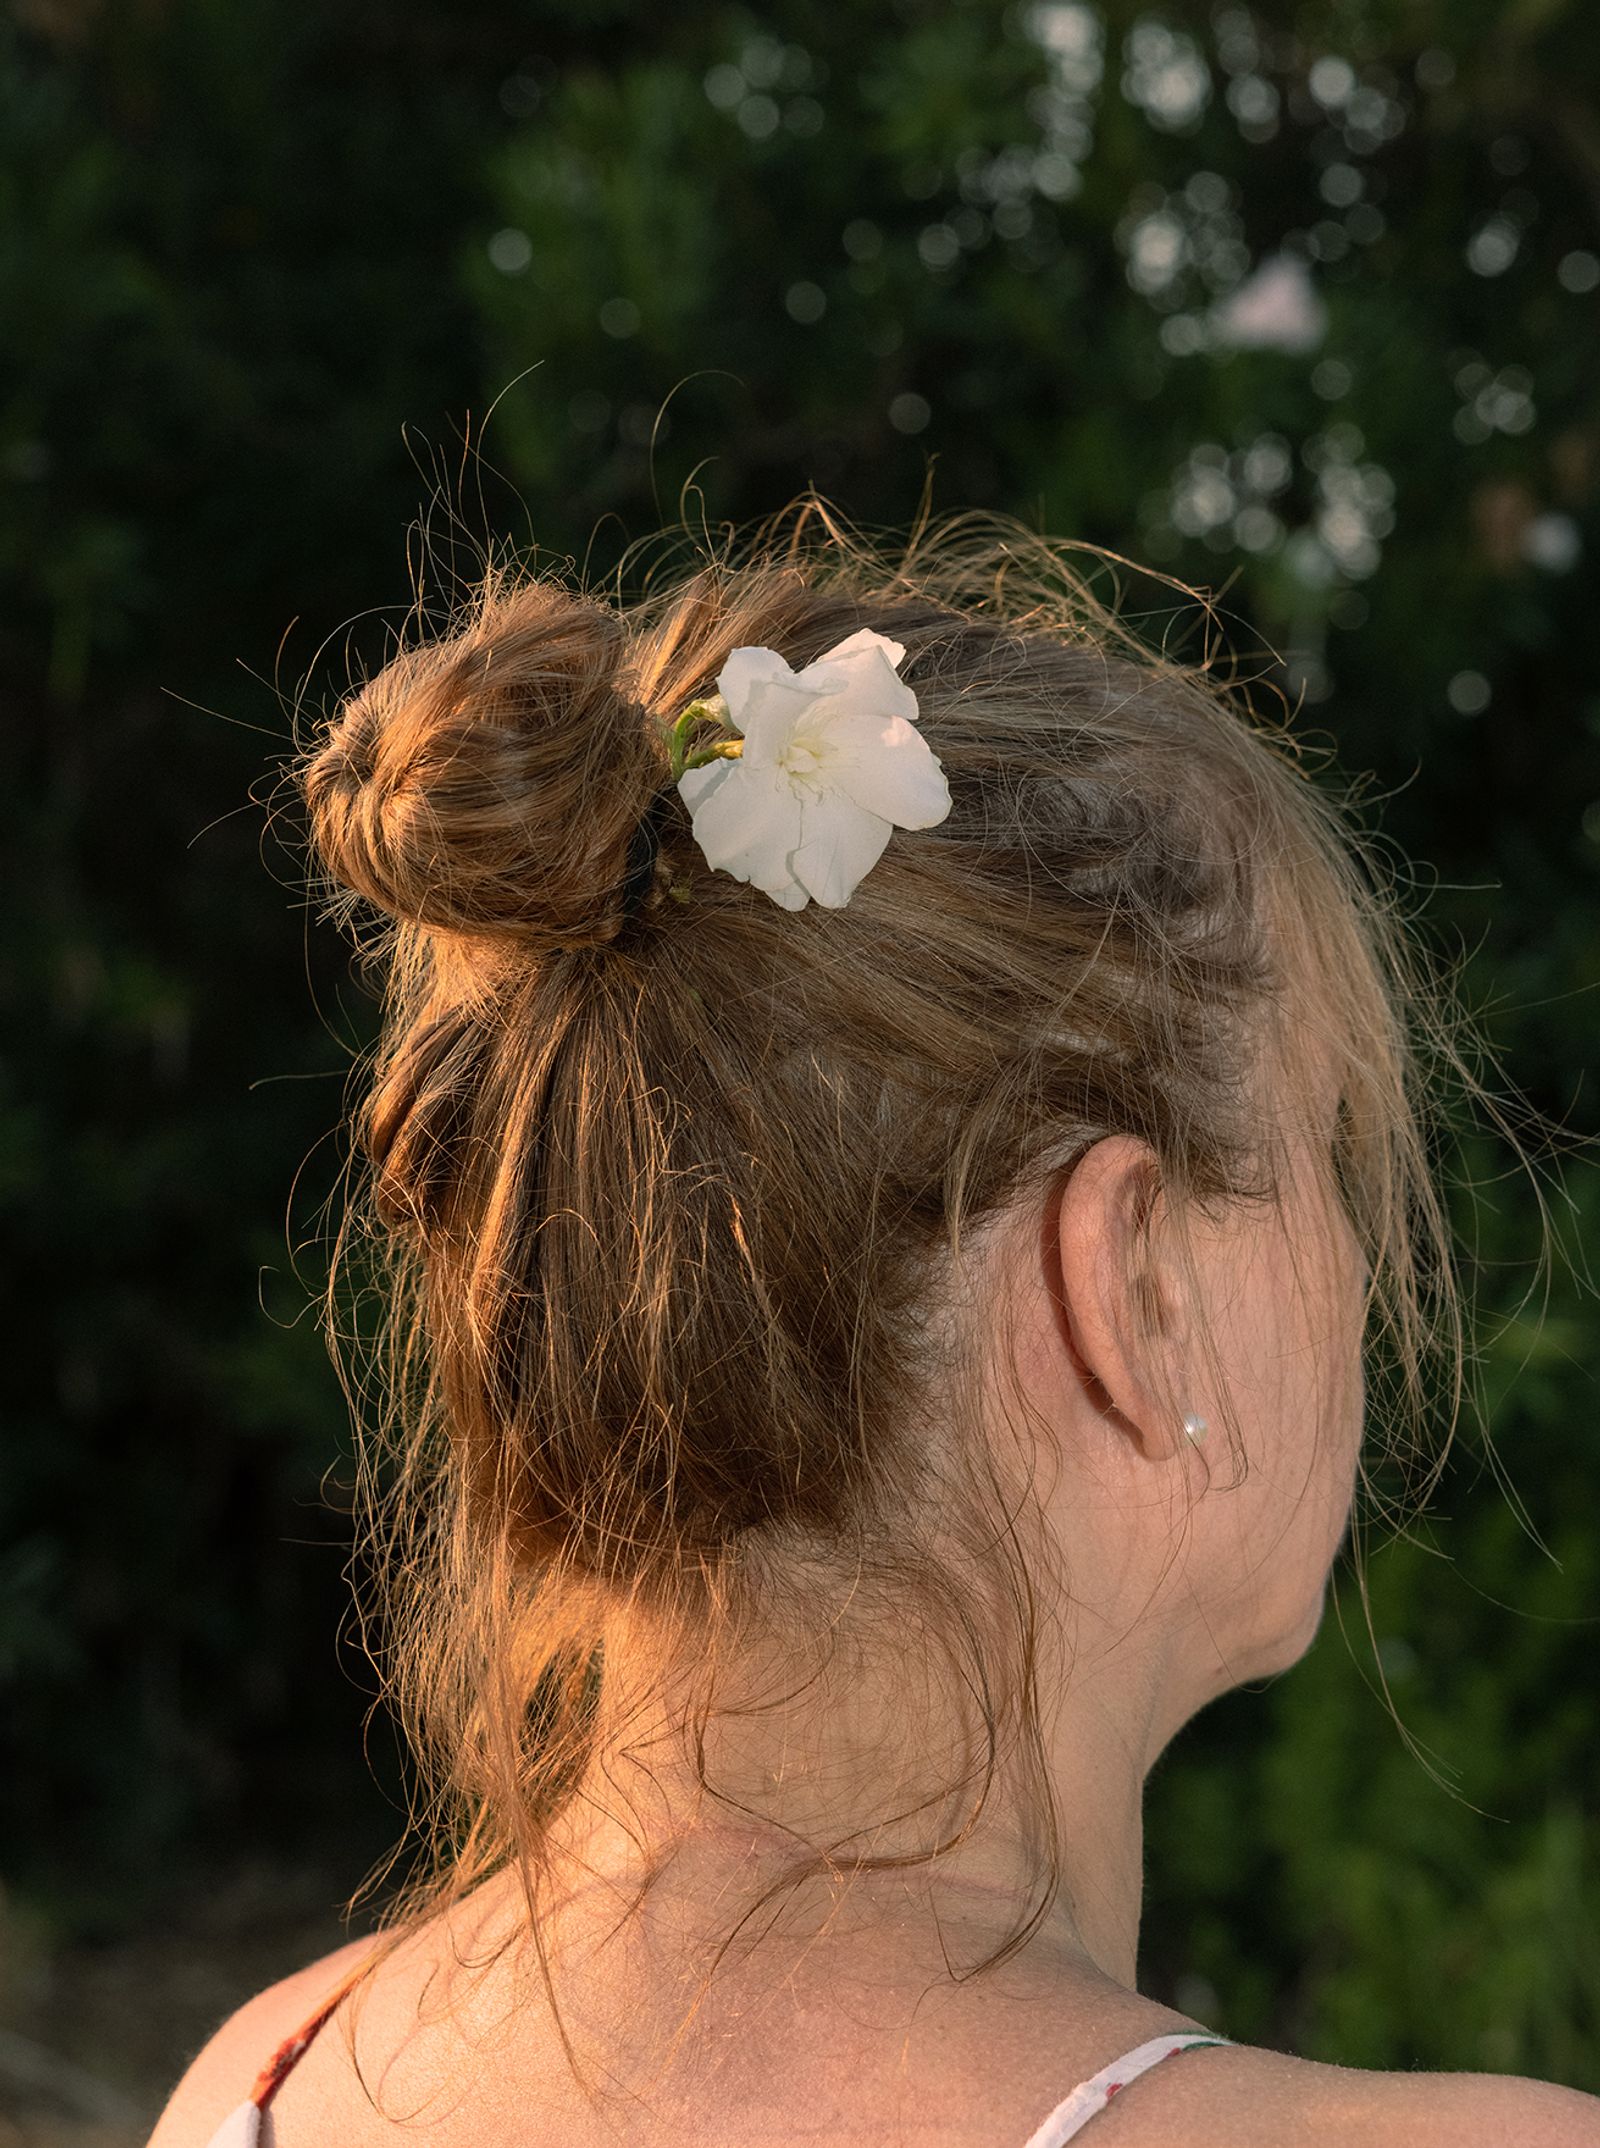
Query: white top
1093 2095
240 2129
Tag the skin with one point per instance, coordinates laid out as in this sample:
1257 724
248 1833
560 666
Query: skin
1188 1583
1184 1585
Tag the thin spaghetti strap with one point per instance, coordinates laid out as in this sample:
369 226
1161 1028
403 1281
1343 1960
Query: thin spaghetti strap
242 2127
1090 2096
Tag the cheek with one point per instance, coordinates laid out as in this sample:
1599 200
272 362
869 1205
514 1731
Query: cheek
1346 1327
1316 1329
1296 1334
1336 1368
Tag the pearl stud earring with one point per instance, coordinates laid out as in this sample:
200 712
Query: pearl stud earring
1194 1428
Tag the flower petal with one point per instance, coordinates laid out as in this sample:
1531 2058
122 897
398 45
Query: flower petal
772 710
860 671
865 638
698 783
885 765
840 844
744 669
746 820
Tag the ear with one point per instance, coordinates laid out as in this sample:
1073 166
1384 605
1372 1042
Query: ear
1120 1321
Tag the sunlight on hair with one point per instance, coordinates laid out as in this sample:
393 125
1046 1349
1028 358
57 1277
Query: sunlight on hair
649 1291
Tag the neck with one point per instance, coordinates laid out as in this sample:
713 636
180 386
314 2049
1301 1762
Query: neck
1099 1751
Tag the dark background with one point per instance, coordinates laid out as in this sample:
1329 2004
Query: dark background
1301 307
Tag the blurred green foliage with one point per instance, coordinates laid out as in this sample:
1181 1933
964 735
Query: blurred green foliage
1301 305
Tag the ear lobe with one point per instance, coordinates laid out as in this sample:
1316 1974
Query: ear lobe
1117 1322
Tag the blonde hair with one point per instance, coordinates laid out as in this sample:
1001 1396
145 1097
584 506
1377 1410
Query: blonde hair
661 1209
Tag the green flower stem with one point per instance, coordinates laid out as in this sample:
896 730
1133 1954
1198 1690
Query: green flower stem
728 749
712 710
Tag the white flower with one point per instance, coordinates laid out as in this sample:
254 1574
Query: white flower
830 764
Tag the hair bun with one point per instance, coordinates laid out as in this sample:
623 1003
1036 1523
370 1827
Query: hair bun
488 783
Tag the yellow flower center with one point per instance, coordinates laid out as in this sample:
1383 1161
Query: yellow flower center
803 763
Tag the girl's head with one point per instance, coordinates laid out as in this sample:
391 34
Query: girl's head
799 1310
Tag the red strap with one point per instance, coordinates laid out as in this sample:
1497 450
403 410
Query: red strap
277 2069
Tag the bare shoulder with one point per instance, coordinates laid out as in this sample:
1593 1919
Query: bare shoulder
221 2075
1244 2097
1455 2110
